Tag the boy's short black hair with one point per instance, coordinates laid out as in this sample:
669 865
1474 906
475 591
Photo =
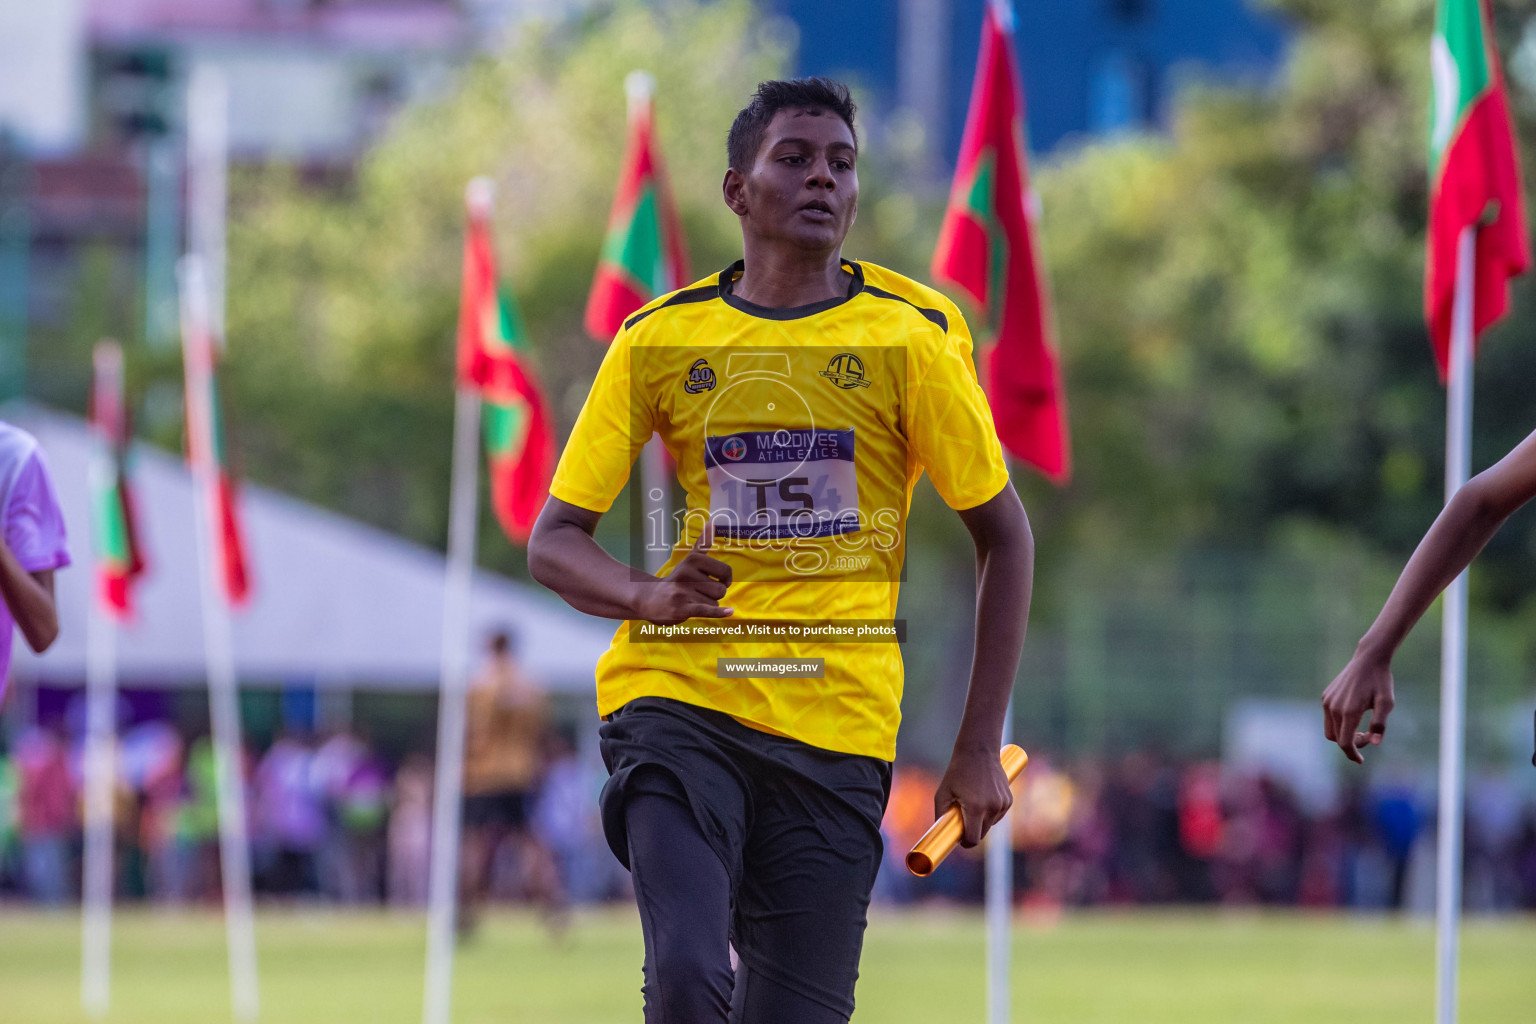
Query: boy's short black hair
812 94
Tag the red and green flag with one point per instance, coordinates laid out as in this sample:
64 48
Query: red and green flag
1474 172
206 448
119 555
495 360
987 249
643 254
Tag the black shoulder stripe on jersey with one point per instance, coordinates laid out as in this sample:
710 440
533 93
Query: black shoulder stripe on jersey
701 294
933 315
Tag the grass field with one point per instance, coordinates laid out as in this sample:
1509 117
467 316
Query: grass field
359 968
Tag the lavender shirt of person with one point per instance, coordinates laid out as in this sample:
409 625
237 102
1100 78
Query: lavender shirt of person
30 521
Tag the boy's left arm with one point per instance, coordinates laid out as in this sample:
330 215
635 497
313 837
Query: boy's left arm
1005 565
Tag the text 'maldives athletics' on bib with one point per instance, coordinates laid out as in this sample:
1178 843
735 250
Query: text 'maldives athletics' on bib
799 434
782 484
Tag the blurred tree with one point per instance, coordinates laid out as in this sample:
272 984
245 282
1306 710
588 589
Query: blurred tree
1239 303
1240 306
343 302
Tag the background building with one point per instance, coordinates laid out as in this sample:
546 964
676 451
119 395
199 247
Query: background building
91 130
1090 67
91 127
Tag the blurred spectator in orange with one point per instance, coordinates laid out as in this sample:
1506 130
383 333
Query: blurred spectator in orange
908 814
505 723
1044 805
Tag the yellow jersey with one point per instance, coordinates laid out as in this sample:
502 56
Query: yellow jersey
798 433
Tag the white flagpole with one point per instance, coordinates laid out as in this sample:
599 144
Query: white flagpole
218 648
207 212
999 913
639 88
463 512
101 701
208 183
100 755
1453 645
443 896
999 863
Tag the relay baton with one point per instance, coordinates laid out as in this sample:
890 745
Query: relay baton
941 839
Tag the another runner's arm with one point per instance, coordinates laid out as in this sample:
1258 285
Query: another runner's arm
31 548
29 596
564 556
1472 516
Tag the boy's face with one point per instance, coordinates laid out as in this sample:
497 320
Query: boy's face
803 186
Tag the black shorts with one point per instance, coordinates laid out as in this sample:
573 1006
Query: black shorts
502 808
796 827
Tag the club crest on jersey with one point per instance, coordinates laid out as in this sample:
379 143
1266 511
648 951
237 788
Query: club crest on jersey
700 377
734 448
846 370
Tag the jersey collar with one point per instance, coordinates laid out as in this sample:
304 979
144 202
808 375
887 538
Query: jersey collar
728 280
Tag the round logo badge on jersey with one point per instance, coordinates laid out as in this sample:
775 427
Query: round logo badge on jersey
846 370
734 449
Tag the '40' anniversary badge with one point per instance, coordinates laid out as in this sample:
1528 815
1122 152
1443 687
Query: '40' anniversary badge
700 377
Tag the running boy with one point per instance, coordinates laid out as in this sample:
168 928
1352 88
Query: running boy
801 395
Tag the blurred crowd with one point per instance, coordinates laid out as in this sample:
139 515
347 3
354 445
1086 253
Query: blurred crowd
1149 830
330 819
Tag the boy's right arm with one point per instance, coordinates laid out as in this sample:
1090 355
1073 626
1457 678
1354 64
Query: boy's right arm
564 556
614 424
1472 516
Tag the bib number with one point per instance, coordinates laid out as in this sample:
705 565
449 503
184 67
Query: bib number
778 484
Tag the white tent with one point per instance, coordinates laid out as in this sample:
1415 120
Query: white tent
335 603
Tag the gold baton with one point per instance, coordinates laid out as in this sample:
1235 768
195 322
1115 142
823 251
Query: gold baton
941 839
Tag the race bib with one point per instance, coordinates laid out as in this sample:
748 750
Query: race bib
771 484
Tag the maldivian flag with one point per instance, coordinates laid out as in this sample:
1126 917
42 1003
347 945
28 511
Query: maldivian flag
1474 174
643 254
205 434
119 555
987 248
494 359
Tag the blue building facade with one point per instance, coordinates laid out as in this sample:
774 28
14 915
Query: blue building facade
1090 67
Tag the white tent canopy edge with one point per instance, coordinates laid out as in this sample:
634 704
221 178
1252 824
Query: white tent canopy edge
336 603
